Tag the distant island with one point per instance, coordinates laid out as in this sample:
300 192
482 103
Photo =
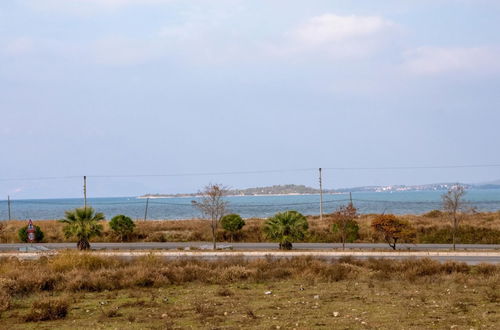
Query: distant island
293 189
288 189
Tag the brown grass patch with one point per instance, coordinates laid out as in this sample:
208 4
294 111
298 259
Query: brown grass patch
47 309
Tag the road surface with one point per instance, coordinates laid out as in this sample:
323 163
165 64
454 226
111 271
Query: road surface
471 254
470 257
256 246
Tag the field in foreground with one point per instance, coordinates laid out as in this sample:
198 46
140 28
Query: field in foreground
85 291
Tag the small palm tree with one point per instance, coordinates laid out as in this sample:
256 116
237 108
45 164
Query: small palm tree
84 224
286 227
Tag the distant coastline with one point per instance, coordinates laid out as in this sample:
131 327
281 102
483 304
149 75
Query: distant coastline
301 190
161 196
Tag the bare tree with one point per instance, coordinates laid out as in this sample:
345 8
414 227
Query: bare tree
345 224
213 206
454 205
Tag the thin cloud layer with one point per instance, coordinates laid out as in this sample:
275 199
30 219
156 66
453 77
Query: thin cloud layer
330 28
86 7
336 37
441 60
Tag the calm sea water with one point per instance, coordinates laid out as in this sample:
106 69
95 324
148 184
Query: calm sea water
249 206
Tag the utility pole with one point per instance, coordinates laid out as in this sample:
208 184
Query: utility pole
350 197
8 205
146 211
320 196
85 192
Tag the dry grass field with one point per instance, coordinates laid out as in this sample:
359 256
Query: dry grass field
430 228
81 291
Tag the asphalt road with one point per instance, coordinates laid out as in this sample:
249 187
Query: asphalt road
256 246
470 257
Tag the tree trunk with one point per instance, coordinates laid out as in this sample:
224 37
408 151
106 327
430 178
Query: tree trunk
455 225
286 245
393 245
214 233
453 237
83 244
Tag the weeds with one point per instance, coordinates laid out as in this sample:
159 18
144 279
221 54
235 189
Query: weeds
85 273
224 292
47 309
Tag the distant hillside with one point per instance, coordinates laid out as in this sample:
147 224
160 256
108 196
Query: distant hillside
288 189
292 189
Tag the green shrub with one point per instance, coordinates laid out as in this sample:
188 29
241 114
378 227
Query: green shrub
23 234
351 231
122 226
232 223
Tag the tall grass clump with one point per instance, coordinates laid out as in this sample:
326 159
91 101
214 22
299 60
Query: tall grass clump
47 309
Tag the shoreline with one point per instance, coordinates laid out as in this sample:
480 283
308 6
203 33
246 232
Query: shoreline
253 195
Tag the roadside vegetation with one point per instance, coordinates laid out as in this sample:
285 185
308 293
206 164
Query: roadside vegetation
82 224
433 227
286 228
82 290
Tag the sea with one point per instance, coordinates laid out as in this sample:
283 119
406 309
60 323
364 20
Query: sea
400 202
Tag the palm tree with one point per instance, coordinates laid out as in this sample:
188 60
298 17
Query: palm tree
84 224
286 227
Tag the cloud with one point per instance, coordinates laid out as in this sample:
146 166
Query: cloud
330 28
442 60
337 36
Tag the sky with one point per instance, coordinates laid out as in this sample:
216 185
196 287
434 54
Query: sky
149 87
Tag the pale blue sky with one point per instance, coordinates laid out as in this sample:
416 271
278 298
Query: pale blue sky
112 87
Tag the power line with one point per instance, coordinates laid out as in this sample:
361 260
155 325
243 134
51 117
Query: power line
103 176
42 178
411 167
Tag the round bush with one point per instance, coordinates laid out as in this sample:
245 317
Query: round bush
122 225
232 222
23 234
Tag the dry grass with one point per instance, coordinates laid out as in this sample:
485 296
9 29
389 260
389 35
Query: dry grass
86 272
431 228
75 291
47 309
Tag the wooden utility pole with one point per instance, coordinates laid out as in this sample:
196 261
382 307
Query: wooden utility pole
85 192
350 197
146 211
8 205
320 196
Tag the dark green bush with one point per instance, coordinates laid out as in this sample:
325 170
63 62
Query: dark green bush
122 226
23 234
232 223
